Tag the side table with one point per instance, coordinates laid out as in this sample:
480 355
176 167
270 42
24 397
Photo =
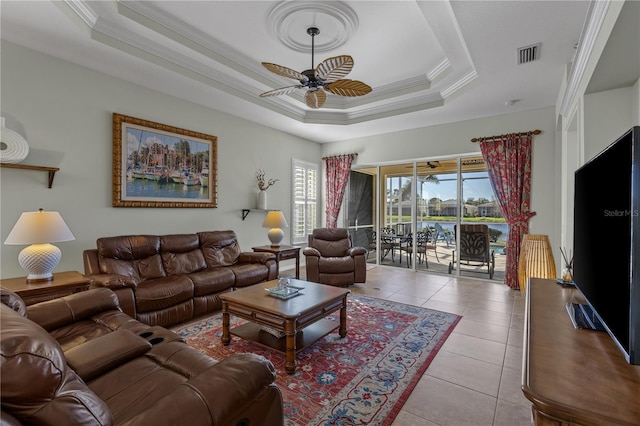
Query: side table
63 284
282 252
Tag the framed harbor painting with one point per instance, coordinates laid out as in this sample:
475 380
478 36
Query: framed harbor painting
155 165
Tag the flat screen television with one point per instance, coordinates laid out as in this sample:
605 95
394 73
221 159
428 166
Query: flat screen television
607 241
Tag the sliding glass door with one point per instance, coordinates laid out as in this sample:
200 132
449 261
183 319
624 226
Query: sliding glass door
480 214
408 215
438 213
396 219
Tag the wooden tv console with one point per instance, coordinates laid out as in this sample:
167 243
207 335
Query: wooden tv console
573 376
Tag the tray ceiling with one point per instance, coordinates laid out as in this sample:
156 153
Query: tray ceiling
428 62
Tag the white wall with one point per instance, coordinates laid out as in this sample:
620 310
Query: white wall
455 139
607 115
588 123
65 112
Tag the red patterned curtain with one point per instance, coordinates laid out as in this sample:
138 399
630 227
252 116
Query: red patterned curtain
508 161
338 169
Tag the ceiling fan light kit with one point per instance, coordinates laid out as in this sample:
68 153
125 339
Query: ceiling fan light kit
327 75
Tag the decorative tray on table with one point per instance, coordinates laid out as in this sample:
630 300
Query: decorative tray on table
283 292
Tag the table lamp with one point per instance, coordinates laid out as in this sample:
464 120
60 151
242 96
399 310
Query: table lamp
39 229
536 259
275 220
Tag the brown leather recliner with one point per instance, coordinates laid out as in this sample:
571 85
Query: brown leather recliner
81 360
332 259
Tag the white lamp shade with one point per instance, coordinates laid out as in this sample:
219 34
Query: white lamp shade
275 220
39 228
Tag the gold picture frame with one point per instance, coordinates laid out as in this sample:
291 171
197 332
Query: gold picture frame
156 165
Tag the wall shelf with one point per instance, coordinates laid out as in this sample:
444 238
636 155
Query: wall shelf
245 212
51 170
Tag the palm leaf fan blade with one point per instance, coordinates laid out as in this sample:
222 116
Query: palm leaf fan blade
346 87
281 91
334 68
284 71
315 98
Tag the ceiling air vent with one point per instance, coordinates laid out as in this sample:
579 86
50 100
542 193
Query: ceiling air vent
529 53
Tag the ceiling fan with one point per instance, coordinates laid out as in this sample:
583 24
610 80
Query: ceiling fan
328 75
428 165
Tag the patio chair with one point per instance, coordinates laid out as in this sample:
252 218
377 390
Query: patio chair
388 243
443 235
432 239
371 240
423 243
475 249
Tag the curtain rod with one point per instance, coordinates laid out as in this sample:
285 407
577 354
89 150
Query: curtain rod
531 132
343 155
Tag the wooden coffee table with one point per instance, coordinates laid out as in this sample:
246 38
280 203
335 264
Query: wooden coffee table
290 325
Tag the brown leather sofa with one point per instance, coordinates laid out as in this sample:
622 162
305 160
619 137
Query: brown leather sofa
332 259
168 279
81 360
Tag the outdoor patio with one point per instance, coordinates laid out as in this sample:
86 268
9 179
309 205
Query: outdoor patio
440 265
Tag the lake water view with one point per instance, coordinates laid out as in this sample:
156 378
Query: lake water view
502 227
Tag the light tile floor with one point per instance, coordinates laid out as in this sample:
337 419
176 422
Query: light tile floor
475 377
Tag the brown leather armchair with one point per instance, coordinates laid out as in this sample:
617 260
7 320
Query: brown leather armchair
332 259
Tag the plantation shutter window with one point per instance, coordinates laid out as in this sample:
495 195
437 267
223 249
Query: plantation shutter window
305 195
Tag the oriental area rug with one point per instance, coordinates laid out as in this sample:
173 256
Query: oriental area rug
362 379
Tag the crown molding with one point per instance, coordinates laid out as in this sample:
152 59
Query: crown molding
185 34
600 21
460 83
400 97
83 11
442 69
